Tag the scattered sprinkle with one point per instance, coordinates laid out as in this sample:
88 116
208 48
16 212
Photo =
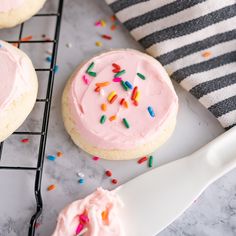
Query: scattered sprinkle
98 23
114 181
134 93
81 181
103 119
151 112
104 107
141 76
59 154
112 118
124 85
96 158
98 43
113 18
103 84
126 104
119 73
105 215
97 89
51 158
116 66
128 84
150 161
85 79
141 160
108 173
117 79
113 27
84 219
25 140
90 67
51 187
106 36
206 54
56 68
122 101
48 59
79 229
126 123
80 174
69 45
93 74
135 103
137 96
103 23
49 52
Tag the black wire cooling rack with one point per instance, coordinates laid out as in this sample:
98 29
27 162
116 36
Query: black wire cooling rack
38 169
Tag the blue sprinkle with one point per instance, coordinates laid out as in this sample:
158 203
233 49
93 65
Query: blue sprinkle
81 181
56 68
128 84
151 112
48 59
51 158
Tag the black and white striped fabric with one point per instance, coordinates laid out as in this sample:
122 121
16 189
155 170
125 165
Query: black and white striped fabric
179 34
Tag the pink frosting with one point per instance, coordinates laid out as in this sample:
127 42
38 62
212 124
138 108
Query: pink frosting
92 207
15 76
156 91
8 5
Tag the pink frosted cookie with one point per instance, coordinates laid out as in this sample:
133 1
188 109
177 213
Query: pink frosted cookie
120 105
18 88
14 12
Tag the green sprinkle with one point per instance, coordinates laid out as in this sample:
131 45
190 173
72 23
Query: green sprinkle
119 73
150 161
141 76
103 119
91 73
90 67
124 85
126 123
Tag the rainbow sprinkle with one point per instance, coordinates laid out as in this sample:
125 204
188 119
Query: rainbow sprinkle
151 111
104 107
103 119
124 85
85 79
102 84
150 161
128 84
134 93
119 73
98 43
137 97
112 118
111 95
141 76
93 74
90 67
117 79
126 123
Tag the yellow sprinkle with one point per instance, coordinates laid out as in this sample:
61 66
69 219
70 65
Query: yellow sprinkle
103 23
110 96
137 96
112 118
98 44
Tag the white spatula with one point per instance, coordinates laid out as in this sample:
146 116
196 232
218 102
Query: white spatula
155 199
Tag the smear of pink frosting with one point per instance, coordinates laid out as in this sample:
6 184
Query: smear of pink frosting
156 91
15 75
8 5
94 205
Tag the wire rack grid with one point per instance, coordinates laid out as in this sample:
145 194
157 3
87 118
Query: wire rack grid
38 169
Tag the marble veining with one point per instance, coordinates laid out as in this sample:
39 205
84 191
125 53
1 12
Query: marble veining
213 214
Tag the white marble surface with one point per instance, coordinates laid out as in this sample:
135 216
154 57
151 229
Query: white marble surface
214 214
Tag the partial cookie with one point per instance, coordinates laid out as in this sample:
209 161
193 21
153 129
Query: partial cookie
14 12
18 88
120 105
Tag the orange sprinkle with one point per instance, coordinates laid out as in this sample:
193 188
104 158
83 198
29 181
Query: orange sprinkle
113 98
59 154
113 18
112 118
134 93
25 39
206 54
105 215
104 107
126 104
51 187
103 84
113 27
97 89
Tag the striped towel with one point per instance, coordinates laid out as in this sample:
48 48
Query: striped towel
195 40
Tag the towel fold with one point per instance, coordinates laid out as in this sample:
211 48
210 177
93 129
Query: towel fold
195 40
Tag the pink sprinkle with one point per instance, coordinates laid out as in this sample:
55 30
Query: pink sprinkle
117 79
85 79
79 228
84 219
98 23
96 158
